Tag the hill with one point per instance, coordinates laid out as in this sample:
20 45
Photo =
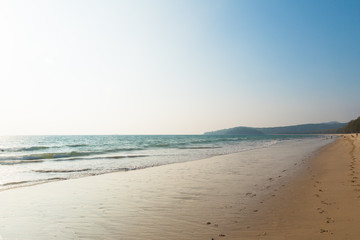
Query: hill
315 128
352 127
235 131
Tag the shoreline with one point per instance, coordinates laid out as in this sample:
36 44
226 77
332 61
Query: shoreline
56 172
23 162
201 199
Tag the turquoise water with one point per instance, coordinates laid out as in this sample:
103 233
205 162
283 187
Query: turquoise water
28 160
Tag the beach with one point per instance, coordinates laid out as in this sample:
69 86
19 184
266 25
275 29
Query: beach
291 196
180 120
322 202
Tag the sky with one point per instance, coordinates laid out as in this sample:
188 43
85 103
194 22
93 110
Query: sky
176 67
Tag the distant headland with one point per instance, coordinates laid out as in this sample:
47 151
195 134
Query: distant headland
313 128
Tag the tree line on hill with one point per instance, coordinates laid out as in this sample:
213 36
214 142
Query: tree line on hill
352 127
318 128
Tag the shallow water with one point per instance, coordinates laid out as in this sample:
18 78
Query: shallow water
25 160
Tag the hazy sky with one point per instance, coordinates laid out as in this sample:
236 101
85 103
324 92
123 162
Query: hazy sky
176 67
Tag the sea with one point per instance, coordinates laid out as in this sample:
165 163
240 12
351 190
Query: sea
29 160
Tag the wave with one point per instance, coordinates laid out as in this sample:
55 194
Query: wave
32 182
124 156
35 148
189 144
24 149
174 145
13 162
62 170
216 140
39 156
214 147
55 155
271 143
158 145
77 145
15 183
124 149
101 157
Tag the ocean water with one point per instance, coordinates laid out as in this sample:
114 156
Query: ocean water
27 160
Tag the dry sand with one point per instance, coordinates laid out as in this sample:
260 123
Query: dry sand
318 198
322 202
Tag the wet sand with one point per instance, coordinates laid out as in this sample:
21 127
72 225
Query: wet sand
313 198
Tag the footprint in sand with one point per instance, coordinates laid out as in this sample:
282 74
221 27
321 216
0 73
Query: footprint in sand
321 211
262 234
326 203
249 194
241 209
329 220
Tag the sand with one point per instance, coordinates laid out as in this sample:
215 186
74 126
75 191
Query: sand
317 198
322 202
